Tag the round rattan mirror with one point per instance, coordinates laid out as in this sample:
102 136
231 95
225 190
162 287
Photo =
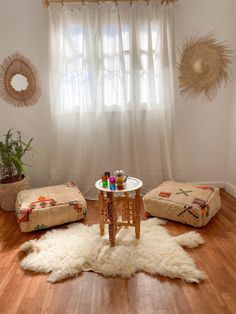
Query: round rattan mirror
19 81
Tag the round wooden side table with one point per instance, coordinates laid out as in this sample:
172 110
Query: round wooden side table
118 209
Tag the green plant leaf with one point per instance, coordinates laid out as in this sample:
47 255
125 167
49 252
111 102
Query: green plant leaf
19 165
27 147
12 149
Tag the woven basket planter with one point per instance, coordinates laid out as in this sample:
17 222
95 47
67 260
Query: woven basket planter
8 193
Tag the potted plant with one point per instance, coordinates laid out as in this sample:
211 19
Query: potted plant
12 168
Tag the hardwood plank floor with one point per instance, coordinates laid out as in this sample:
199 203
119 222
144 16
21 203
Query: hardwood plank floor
24 292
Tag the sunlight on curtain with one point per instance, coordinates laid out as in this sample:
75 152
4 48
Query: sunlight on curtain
112 89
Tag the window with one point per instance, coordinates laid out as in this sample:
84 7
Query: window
114 71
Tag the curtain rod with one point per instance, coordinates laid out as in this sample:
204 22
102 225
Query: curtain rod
48 2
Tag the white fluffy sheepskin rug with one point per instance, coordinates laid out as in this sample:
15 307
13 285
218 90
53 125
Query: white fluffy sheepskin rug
66 252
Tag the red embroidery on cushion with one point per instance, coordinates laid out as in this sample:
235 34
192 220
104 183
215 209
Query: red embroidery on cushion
53 202
23 214
41 198
23 219
43 202
73 185
77 208
206 187
203 205
165 194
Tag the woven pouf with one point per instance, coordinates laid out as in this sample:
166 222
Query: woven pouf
49 206
183 202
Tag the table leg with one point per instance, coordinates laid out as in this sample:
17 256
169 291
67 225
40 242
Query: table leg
101 206
137 213
126 210
112 219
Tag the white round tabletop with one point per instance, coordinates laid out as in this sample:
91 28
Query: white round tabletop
131 184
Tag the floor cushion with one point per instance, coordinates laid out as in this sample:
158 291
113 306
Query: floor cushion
183 202
49 206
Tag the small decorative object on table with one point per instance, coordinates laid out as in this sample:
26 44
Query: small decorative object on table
104 181
107 174
120 182
120 174
112 181
109 209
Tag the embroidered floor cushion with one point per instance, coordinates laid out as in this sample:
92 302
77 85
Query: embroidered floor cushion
49 206
183 202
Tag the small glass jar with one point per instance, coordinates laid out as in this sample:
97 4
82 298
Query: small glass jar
112 183
104 182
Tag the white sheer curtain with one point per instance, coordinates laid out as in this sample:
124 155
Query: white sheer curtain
112 89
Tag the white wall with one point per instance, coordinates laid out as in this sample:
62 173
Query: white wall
232 126
204 126
232 138
23 28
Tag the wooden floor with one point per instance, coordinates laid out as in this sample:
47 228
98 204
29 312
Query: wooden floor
24 292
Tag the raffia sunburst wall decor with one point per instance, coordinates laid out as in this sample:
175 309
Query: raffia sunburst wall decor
204 66
12 66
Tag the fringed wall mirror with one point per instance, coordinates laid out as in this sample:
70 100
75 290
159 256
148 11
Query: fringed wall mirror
19 81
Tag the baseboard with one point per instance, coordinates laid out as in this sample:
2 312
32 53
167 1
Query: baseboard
230 188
